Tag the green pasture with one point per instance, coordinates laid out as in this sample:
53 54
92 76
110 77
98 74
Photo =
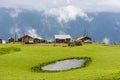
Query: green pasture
16 61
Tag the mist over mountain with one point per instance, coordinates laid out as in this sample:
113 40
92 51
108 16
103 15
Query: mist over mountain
99 26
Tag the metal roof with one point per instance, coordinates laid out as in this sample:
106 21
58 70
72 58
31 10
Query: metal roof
62 36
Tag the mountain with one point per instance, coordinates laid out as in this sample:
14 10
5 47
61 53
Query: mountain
103 26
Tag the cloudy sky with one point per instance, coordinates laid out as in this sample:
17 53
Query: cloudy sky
85 5
64 10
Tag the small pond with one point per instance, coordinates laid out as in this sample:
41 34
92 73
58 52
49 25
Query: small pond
62 65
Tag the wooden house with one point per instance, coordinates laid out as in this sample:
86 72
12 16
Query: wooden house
26 39
62 38
30 40
37 40
10 40
85 39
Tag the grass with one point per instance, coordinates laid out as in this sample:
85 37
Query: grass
8 50
105 63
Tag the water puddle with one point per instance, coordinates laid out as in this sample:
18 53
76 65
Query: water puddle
62 65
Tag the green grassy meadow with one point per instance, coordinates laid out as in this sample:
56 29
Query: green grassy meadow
17 64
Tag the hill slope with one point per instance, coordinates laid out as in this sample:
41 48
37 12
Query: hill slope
17 65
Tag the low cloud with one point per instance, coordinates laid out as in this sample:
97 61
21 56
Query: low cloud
106 40
68 13
63 10
15 30
32 32
15 13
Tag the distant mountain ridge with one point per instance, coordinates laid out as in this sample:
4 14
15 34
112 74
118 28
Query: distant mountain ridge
103 25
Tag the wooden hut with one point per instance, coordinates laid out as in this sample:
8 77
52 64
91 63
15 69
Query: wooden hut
85 39
37 40
62 38
26 39
10 40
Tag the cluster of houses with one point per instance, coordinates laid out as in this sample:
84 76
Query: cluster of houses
57 39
